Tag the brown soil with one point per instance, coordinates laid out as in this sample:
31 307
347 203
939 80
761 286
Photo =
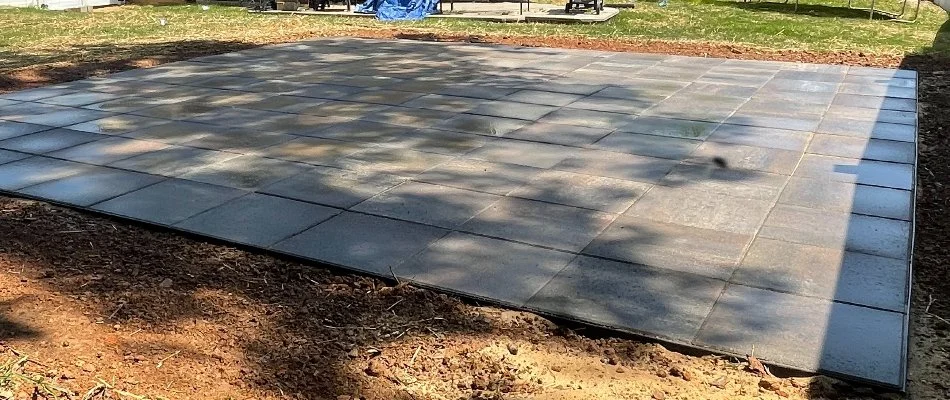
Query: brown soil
124 59
161 315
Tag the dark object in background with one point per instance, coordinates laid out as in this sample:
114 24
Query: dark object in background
319 5
720 162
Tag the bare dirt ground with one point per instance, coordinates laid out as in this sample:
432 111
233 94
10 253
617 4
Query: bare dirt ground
122 311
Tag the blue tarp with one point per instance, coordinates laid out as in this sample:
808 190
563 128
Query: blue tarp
398 10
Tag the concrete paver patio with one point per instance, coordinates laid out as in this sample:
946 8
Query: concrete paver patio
714 203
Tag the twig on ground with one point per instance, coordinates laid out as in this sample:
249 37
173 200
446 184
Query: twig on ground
930 302
116 310
394 304
414 355
162 361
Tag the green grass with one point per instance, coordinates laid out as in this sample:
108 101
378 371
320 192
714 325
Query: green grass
32 36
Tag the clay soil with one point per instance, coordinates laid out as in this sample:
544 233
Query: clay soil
114 310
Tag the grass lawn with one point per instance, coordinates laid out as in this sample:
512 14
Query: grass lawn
32 37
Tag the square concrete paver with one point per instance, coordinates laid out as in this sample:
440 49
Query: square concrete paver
657 302
702 209
168 202
246 172
559 134
33 170
538 223
872 235
332 186
93 185
808 333
107 150
848 197
257 219
429 204
699 251
47 141
648 145
706 202
485 267
826 273
10 129
585 191
497 178
362 242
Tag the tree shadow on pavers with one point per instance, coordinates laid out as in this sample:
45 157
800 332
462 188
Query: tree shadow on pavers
21 71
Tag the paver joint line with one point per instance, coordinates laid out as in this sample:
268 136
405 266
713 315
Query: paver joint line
673 199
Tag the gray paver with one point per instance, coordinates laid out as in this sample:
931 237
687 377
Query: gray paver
585 191
429 204
670 127
362 242
172 160
33 170
897 176
168 202
826 273
512 109
682 248
539 155
10 129
618 165
648 145
245 172
10 156
872 129
543 224
866 234
811 333
741 183
762 137
91 186
701 209
543 97
868 149
118 124
482 125
312 150
485 267
649 300
257 219
848 197
107 150
568 135
332 186
734 156
588 118
497 178
47 141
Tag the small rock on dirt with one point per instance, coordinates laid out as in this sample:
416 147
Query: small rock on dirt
720 382
377 368
167 283
513 349
658 394
684 373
